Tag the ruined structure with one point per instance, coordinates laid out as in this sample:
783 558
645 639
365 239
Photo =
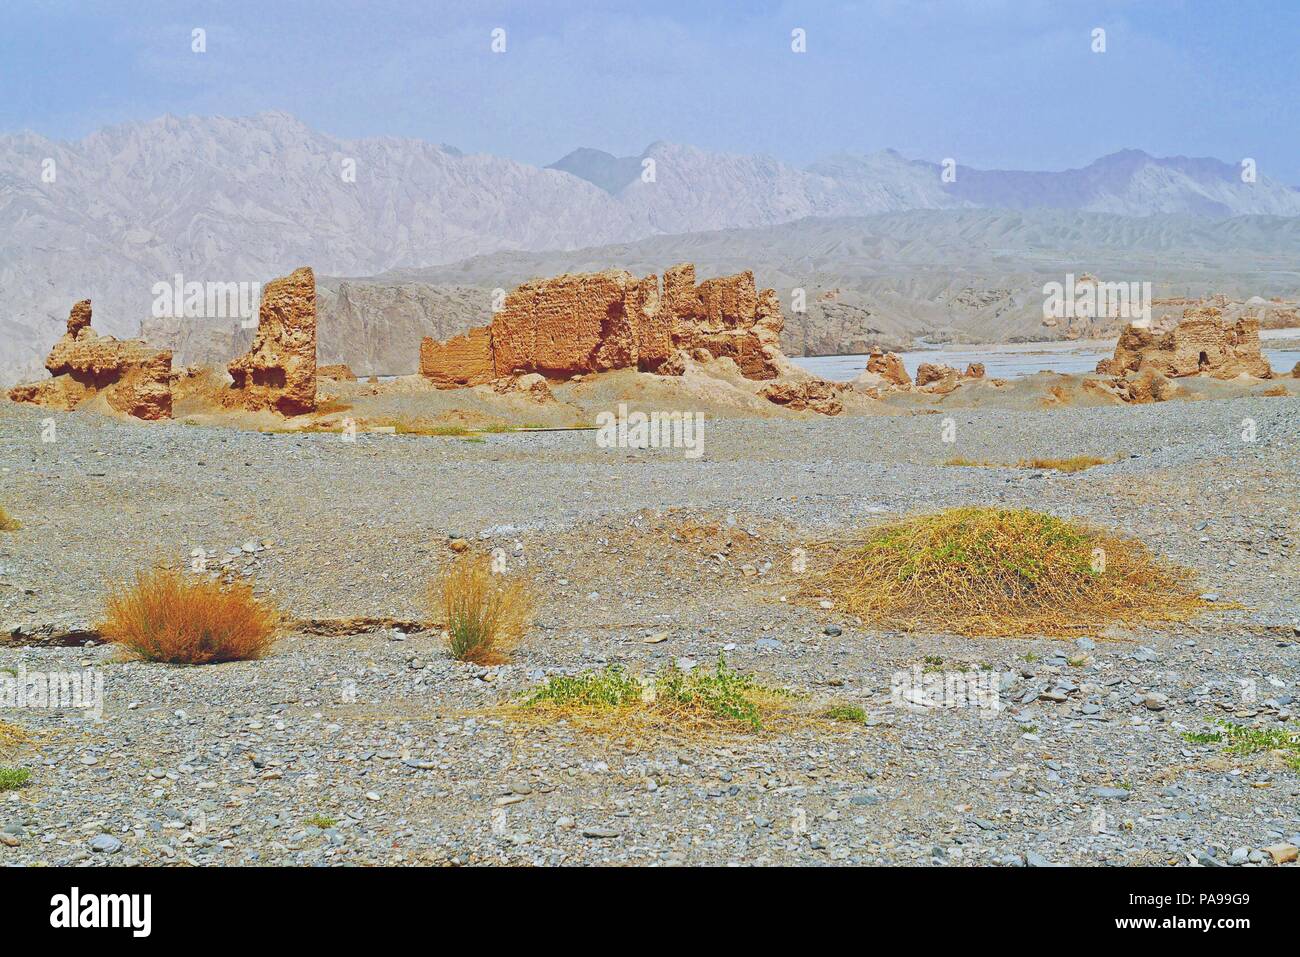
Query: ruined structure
885 373
459 361
812 395
132 378
1201 344
727 317
594 322
1145 386
279 372
942 379
929 374
889 366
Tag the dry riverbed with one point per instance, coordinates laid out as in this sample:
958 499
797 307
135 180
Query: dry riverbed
358 740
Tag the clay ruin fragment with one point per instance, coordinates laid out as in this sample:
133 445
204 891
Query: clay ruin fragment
941 379
889 366
885 373
575 324
279 372
130 376
1201 344
531 386
812 395
340 372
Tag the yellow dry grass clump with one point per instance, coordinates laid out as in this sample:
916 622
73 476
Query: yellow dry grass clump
8 523
1076 463
485 614
10 736
167 617
1002 572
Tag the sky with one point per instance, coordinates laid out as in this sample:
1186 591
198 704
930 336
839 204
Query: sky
1011 84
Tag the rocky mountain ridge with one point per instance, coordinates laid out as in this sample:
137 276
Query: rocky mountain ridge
221 200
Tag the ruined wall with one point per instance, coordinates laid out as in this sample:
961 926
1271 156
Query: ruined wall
458 361
131 377
727 317
279 372
1202 343
576 324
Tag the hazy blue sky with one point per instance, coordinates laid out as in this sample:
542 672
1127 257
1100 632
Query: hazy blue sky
993 83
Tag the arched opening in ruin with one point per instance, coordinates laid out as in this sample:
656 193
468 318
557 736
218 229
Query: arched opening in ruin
1204 360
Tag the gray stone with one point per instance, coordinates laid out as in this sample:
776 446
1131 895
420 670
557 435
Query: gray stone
1111 794
105 844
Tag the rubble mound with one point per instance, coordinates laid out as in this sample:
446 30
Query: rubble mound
1145 386
131 377
530 386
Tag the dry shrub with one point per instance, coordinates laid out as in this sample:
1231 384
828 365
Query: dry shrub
11 736
196 621
485 614
1276 392
1076 463
7 523
1002 572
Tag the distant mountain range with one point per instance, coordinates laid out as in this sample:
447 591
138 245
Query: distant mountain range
1127 183
246 199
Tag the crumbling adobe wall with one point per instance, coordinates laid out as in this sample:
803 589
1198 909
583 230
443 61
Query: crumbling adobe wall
458 361
279 372
727 316
1202 343
132 378
576 324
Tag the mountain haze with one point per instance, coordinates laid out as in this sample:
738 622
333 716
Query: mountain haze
246 199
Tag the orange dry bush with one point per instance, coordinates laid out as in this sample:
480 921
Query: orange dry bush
485 614
166 617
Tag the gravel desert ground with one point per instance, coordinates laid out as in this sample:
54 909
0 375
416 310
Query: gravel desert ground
359 740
